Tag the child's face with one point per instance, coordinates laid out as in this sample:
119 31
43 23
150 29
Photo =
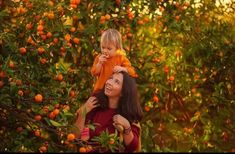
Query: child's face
108 49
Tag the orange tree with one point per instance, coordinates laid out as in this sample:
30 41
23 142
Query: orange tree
182 52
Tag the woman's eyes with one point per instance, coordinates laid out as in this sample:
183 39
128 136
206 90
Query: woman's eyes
117 81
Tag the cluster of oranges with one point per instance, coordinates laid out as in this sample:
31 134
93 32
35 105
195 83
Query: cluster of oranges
74 3
148 107
85 149
104 18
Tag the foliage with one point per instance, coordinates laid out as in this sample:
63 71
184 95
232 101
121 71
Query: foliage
109 142
183 52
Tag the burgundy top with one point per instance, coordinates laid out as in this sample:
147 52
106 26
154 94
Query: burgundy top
103 119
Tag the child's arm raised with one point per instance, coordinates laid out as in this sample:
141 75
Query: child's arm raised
98 63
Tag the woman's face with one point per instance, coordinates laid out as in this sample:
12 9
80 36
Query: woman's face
113 85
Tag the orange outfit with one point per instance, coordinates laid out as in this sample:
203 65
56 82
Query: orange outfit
107 69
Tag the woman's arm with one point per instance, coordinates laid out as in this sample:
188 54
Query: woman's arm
135 143
90 104
80 121
130 132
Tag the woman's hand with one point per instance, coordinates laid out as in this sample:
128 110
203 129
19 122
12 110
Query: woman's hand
118 119
90 104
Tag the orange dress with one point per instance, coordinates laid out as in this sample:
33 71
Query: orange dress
107 69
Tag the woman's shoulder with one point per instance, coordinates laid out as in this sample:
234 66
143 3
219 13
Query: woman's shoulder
136 125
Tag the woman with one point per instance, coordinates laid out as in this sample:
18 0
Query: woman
116 104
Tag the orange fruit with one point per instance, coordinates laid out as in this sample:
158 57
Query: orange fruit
56 111
20 92
193 90
72 93
155 98
76 40
37 17
22 50
38 98
45 109
41 50
62 49
89 148
147 108
75 18
43 149
166 69
43 36
70 137
72 29
1 83
59 77
67 37
171 78
102 19
29 26
130 15
77 2
18 82
43 60
146 19
11 64
40 28
118 2
51 115
19 129
107 16
57 106
111 141
74 6
60 9
50 3
82 150
66 108
37 133
38 117
177 18
55 40
140 22
51 15
3 74
49 34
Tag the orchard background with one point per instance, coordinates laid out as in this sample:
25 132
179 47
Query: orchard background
182 50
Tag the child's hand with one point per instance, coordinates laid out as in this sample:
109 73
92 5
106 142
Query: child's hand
117 69
103 58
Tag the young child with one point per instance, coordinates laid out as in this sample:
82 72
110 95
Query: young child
112 58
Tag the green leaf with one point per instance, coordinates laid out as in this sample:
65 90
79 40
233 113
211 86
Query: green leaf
54 123
68 114
149 123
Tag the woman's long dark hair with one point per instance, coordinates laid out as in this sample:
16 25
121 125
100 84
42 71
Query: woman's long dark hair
129 105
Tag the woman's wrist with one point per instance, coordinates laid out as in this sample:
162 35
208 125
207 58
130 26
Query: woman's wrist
127 131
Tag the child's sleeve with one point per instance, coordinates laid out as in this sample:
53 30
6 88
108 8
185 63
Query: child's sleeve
127 64
93 68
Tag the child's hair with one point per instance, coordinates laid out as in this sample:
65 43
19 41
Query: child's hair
112 36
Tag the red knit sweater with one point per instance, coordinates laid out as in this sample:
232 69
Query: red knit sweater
103 120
